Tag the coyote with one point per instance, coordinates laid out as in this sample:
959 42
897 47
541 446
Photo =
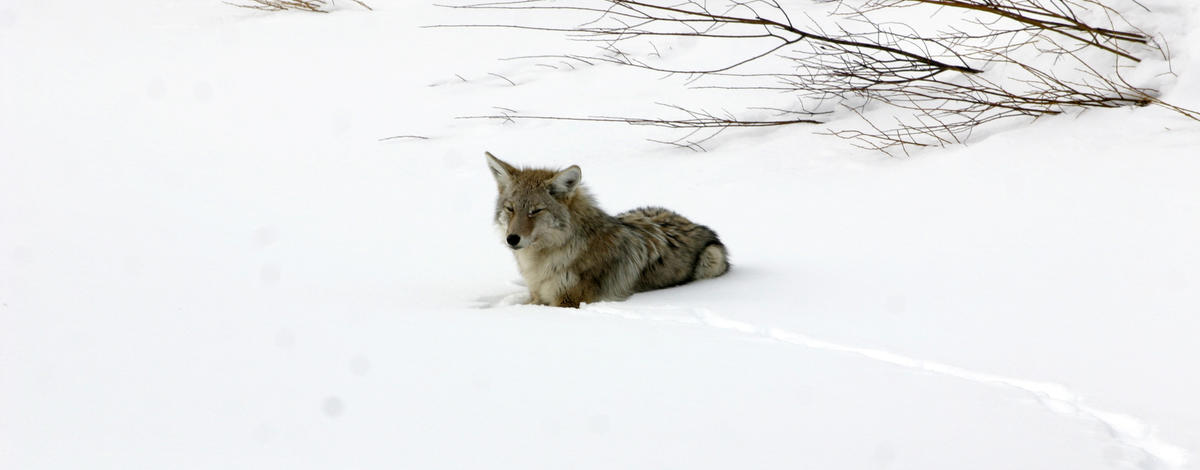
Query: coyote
570 251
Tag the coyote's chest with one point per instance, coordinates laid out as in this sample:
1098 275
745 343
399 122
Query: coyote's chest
547 274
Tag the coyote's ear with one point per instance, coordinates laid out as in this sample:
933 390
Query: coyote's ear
503 172
565 181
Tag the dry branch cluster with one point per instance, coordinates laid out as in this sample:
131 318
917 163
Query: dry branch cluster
987 60
316 6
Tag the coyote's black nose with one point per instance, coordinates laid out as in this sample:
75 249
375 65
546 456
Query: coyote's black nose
513 239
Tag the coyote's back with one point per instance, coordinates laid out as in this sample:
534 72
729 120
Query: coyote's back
570 251
682 251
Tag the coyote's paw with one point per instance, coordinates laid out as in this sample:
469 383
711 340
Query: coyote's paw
516 298
502 300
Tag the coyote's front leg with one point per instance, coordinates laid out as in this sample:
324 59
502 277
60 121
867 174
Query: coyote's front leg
535 299
584 291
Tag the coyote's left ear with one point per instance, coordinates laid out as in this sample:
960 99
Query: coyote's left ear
565 181
503 172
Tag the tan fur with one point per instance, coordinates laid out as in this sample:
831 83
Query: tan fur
570 251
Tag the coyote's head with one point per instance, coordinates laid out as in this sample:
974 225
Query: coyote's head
533 207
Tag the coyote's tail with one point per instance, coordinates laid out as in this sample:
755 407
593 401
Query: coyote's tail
712 262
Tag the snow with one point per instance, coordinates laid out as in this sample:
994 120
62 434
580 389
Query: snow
210 259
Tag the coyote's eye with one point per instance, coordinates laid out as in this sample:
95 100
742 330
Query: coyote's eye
535 212
509 209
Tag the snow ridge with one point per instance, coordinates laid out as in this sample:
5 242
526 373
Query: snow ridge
1128 431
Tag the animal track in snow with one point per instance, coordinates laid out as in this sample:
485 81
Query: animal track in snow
1128 431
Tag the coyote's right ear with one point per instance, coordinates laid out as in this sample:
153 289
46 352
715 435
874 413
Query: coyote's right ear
503 172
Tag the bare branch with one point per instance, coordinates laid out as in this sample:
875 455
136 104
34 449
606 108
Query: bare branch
994 60
315 6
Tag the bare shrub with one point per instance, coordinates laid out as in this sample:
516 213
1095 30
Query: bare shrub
316 6
988 60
